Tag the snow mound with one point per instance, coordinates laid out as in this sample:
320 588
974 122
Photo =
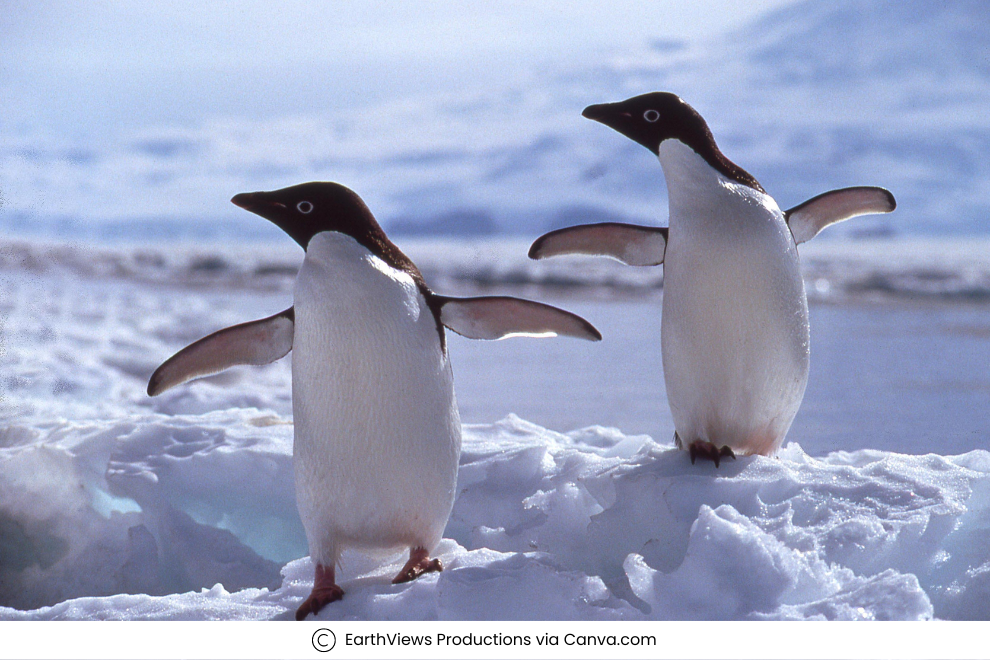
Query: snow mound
190 516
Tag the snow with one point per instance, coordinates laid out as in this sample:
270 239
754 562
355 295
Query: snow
876 269
592 524
114 505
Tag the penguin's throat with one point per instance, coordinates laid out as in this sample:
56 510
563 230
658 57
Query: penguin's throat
687 171
700 195
693 186
701 164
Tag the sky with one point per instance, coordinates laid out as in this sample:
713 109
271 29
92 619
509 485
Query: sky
78 67
117 111
117 118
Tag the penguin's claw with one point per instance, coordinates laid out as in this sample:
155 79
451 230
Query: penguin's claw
709 452
325 591
419 563
318 599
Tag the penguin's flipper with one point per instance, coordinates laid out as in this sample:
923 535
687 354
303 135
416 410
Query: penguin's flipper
256 342
631 244
497 317
810 217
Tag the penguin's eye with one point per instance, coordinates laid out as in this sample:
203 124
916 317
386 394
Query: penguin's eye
304 207
651 116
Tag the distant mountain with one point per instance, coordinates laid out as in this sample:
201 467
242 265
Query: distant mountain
811 97
821 95
854 41
465 223
808 98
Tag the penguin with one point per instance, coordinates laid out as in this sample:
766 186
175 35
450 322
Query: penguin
377 433
735 339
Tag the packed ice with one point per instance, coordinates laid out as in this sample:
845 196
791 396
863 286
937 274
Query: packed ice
178 517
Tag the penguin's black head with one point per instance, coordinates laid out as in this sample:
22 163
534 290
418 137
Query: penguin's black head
305 210
652 118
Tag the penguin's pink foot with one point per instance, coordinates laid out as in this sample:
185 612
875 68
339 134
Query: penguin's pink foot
708 451
419 563
325 591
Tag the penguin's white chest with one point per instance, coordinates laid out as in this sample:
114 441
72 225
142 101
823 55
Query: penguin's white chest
377 433
734 333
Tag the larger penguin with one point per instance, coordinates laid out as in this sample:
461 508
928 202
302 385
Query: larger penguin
734 330
377 431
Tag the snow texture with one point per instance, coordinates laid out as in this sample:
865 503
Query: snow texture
117 505
587 525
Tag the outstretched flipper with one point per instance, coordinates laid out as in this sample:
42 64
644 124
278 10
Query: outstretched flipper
810 217
631 244
497 317
256 342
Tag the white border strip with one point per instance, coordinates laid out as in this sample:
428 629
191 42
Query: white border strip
112 640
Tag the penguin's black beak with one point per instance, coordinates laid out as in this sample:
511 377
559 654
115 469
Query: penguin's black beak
261 203
613 115
596 112
247 201
257 202
618 117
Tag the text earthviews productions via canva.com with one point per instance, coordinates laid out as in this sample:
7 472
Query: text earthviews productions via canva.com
497 639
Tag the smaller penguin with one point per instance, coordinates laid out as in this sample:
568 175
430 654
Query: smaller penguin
377 434
735 340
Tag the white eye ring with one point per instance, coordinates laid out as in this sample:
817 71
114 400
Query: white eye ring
651 116
304 207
